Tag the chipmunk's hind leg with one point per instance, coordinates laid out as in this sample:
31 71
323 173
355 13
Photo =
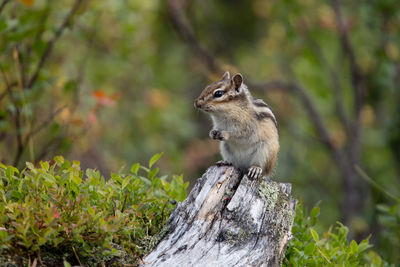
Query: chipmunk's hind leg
254 172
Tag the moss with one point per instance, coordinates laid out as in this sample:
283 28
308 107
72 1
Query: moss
269 191
152 241
277 202
232 237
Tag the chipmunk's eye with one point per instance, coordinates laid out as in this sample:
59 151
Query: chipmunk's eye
218 93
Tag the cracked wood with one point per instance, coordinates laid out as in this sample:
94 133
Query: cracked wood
228 220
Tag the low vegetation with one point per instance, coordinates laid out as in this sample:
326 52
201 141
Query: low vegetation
310 248
57 214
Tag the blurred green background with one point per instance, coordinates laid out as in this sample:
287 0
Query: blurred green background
110 83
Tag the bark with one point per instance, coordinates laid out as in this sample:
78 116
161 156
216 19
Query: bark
228 220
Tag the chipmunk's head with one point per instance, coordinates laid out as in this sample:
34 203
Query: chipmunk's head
223 95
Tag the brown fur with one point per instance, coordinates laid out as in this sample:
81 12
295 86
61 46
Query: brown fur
269 132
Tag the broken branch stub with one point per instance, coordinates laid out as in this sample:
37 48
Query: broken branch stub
227 220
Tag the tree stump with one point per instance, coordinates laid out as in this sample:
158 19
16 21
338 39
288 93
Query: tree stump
228 220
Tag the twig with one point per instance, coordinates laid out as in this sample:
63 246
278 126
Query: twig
19 65
76 255
40 258
22 143
375 184
187 33
20 147
45 123
7 83
3 5
52 42
41 28
18 127
34 264
123 205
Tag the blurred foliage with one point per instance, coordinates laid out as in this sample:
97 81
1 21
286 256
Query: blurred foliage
118 85
309 248
57 213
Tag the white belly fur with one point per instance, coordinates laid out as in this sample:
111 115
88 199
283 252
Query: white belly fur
245 156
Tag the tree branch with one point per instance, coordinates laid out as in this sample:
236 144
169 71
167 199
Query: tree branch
178 21
3 5
336 84
52 42
23 142
7 83
41 28
357 79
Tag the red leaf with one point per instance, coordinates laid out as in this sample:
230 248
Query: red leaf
103 99
56 214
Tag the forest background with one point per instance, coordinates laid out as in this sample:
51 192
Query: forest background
110 83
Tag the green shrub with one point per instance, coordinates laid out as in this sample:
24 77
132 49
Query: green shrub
310 248
389 218
55 212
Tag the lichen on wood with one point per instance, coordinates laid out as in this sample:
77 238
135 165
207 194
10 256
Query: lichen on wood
228 220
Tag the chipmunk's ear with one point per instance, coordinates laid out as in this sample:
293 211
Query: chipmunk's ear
237 81
226 76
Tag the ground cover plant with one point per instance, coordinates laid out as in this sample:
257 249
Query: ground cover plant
308 247
56 212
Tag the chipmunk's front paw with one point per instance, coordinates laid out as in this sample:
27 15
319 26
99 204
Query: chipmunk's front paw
254 172
223 163
219 135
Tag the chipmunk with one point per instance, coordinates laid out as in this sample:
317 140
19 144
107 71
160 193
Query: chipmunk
246 127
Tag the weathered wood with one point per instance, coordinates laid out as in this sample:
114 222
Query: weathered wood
228 220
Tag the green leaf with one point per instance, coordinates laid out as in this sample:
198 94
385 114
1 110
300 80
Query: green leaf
66 264
17 195
309 249
45 165
315 212
90 173
364 245
154 159
91 211
314 235
153 173
353 247
77 180
145 180
126 181
49 177
116 177
59 159
135 168
10 171
30 166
